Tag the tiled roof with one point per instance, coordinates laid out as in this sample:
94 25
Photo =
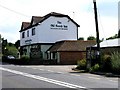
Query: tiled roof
76 45
25 25
57 14
38 19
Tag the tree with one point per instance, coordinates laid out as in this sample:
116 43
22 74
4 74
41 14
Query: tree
119 33
0 38
11 50
10 44
112 37
81 38
91 38
17 44
4 44
0 46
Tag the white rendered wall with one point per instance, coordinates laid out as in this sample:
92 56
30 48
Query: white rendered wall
29 40
48 35
45 33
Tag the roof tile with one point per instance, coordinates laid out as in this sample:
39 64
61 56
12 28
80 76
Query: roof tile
75 45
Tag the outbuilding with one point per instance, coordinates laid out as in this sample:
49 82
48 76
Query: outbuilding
69 51
110 46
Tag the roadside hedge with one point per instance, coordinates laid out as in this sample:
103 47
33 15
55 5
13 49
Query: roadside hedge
115 62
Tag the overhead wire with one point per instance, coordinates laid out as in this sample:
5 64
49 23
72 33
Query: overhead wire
99 17
16 12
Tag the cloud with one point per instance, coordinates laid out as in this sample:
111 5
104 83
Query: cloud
10 22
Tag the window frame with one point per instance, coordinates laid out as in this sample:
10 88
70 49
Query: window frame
23 34
28 33
33 31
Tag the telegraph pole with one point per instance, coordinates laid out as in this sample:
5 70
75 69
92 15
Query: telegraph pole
97 30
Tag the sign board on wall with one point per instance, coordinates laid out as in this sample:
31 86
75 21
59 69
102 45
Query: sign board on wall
59 25
28 42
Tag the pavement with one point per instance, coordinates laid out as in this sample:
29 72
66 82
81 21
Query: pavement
107 74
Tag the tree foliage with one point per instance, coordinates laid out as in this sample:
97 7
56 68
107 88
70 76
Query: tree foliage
4 42
112 37
91 38
119 33
8 48
17 44
11 50
81 38
0 38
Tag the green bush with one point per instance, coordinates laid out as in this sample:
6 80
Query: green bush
81 64
25 57
11 50
95 68
115 61
105 64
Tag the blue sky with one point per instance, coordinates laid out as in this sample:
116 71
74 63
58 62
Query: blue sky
14 12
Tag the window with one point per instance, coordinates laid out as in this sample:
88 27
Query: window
33 31
53 55
27 33
23 35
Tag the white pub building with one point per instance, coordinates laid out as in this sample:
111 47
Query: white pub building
37 36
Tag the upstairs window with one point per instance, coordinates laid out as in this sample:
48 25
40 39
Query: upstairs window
23 35
27 33
33 31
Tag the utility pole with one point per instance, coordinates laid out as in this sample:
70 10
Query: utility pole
97 30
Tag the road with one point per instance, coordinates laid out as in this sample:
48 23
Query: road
61 76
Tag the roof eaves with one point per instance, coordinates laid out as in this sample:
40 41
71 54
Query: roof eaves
47 16
57 15
25 25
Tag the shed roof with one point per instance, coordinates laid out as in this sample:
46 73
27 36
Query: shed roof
110 43
69 45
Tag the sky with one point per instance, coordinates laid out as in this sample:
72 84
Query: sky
14 12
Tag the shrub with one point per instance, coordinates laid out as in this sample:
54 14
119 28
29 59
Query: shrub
115 61
95 68
25 57
105 64
81 64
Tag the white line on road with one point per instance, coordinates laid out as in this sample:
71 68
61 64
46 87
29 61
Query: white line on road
61 83
74 74
34 68
50 71
41 69
94 78
61 72
113 81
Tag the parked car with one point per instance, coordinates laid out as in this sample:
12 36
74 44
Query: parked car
10 57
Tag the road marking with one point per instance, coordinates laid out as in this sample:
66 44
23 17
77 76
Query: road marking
94 78
74 74
34 68
93 75
61 83
50 71
113 81
61 72
41 69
